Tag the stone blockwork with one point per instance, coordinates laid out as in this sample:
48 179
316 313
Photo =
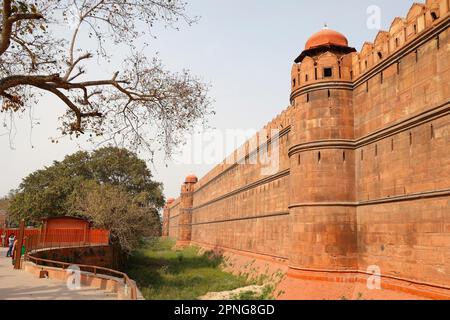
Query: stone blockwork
363 165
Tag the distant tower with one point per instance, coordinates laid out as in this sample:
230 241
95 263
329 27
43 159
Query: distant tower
322 160
185 220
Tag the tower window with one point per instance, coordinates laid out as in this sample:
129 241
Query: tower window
307 97
380 55
306 78
396 42
434 16
293 82
319 157
327 72
366 63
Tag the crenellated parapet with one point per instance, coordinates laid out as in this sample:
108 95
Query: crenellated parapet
403 31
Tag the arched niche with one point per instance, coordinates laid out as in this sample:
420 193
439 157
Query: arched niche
397 34
415 20
295 76
347 66
307 70
327 66
366 56
381 45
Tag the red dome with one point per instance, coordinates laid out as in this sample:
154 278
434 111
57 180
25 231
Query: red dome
326 37
191 179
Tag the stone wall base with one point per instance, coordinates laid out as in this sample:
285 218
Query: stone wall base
296 284
353 285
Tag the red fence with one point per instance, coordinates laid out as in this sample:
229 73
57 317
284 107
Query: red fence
34 239
8 232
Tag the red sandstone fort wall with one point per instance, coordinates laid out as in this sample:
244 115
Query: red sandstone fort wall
402 127
364 171
174 217
242 209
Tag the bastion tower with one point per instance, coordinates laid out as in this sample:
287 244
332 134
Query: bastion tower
322 160
185 215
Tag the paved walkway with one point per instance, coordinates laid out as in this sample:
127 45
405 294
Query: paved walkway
21 285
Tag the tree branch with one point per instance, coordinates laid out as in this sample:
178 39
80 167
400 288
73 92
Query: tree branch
28 50
72 65
26 16
8 22
145 105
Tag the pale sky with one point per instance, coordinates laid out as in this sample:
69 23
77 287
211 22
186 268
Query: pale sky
243 48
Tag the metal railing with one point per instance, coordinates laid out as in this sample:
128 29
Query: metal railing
5 233
39 242
65 238
129 284
58 237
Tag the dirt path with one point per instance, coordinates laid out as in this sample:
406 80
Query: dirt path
20 285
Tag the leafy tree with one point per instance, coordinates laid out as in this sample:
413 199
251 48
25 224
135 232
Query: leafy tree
112 187
4 203
142 106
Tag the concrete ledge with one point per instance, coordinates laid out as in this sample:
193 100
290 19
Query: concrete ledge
88 279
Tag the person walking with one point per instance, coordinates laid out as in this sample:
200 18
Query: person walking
13 255
11 240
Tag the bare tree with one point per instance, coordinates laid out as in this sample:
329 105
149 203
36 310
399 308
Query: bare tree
112 208
142 106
